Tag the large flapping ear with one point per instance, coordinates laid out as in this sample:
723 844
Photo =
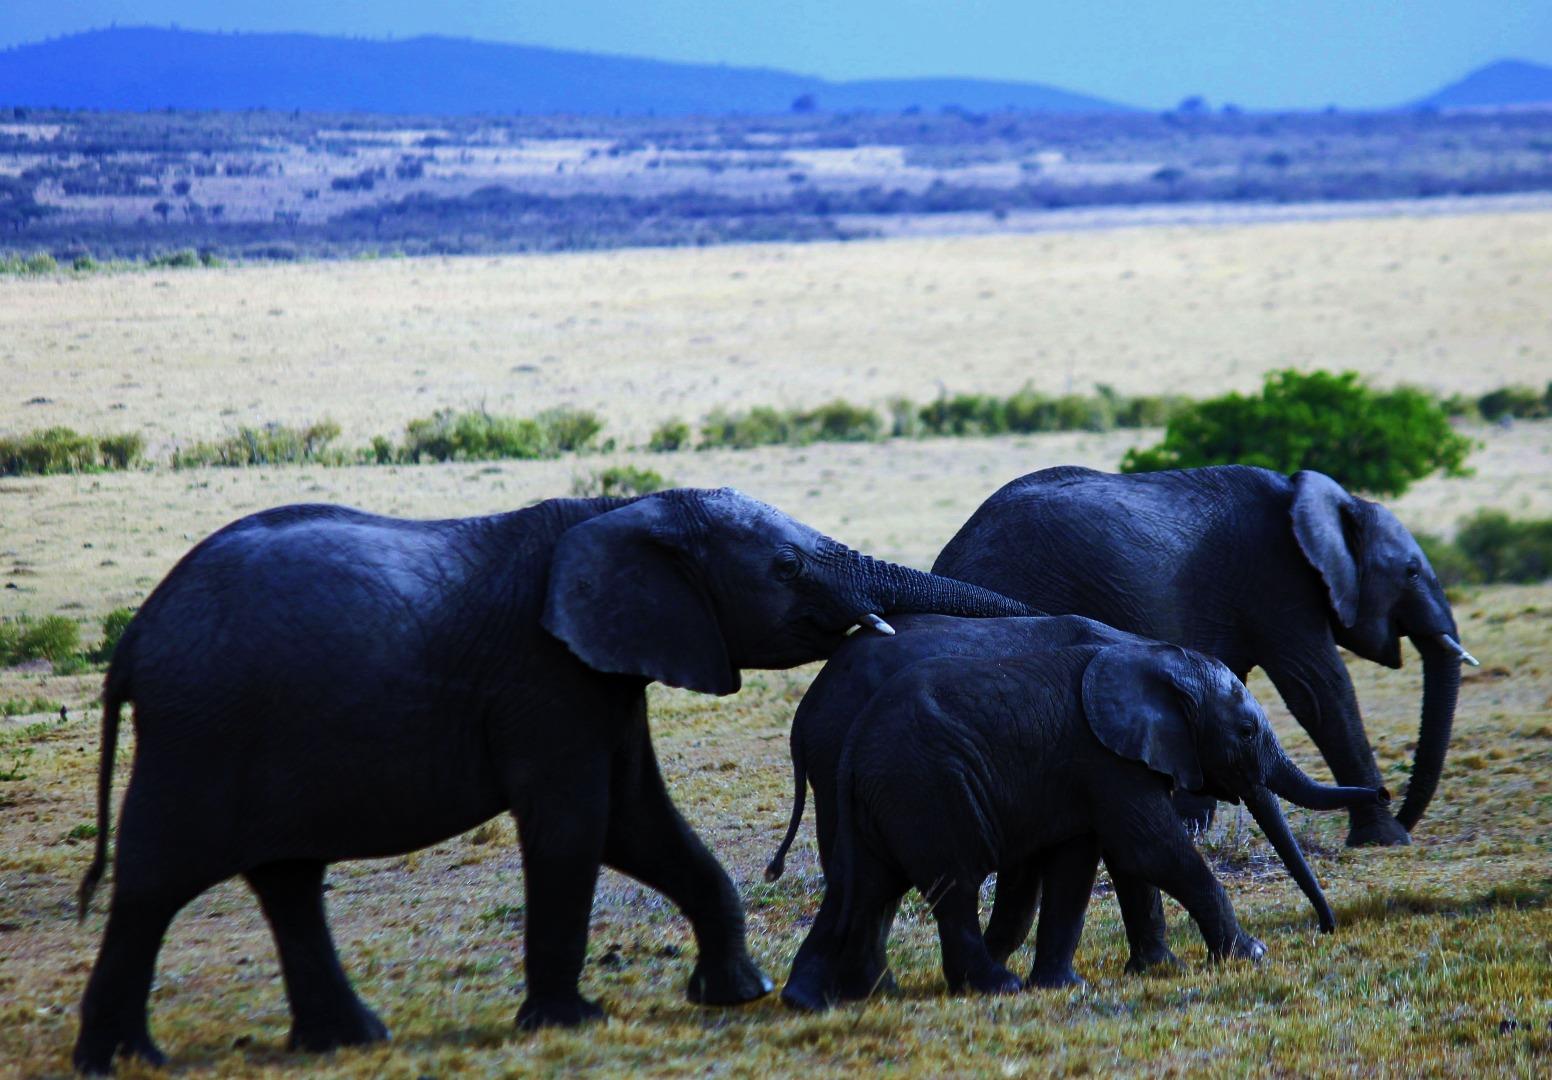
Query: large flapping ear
1136 706
1322 512
625 597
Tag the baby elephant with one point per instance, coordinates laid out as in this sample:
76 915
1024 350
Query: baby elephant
959 767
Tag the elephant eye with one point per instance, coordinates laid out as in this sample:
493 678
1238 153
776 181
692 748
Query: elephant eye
1414 571
788 563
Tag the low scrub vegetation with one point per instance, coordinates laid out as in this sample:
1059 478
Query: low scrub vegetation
1365 439
272 444
481 436
57 639
63 450
1490 548
1509 402
620 480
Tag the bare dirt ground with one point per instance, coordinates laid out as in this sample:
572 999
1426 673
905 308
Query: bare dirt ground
1450 303
1440 945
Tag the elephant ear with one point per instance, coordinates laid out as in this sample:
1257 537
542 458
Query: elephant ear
1136 706
625 596
1322 524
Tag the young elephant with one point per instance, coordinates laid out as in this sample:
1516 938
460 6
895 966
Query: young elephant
958 767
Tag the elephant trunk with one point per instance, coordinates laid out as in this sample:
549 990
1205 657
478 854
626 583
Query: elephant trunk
900 589
1291 782
1263 807
1441 688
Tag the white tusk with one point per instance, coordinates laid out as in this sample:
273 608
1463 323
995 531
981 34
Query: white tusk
1459 650
873 621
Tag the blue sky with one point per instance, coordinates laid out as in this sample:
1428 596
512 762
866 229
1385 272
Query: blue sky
1297 53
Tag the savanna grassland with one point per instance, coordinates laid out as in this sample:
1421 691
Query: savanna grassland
1442 962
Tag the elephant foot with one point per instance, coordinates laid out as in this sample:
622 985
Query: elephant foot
361 1027
806 995
93 1054
729 982
994 980
1377 829
1063 978
1246 947
570 1011
1154 960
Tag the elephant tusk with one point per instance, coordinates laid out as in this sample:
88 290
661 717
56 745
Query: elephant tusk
1459 650
874 622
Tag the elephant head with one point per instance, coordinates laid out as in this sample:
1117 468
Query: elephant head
689 586
1380 587
1186 716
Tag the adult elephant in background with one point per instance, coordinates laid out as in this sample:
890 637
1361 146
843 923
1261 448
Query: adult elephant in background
314 683
1247 565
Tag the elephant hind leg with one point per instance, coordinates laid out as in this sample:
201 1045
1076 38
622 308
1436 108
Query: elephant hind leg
113 1009
862 967
325 1011
966 963
1013 909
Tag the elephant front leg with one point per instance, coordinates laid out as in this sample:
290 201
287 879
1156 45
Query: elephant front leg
966 963
561 826
649 840
1319 693
1155 849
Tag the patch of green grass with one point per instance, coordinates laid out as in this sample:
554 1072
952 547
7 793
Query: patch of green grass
28 706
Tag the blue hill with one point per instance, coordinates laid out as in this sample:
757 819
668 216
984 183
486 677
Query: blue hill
147 68
1504 82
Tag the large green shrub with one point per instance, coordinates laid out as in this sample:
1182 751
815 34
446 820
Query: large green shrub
1367 440
54 638
1503 549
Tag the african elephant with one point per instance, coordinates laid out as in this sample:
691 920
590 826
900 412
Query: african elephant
959 766
314 683
1249 566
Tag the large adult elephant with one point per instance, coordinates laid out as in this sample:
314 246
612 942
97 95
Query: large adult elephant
1253 567
314 683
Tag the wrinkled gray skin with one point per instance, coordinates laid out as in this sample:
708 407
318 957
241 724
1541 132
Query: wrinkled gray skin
314 683
1250 566
958 767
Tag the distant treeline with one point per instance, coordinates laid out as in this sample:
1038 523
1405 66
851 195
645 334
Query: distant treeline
477 435
1191 154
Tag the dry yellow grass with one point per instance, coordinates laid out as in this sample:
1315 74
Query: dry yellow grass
1453 303
1440 942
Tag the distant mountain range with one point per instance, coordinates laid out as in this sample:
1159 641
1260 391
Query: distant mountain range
145 68
1506 82
141 68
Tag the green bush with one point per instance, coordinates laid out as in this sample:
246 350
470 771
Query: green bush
1518 402
28 706
619 480
570 431
670 436
114 623
1450 564
1366 440
965 414
760 426
272 444
1503 549
54 638
64 450
838 421
472 436
174 260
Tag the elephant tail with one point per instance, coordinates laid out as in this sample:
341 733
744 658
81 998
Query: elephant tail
115 694
778 863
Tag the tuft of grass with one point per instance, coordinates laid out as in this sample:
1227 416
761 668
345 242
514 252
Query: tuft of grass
620 480
670 436
272 444
63 450
28 706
